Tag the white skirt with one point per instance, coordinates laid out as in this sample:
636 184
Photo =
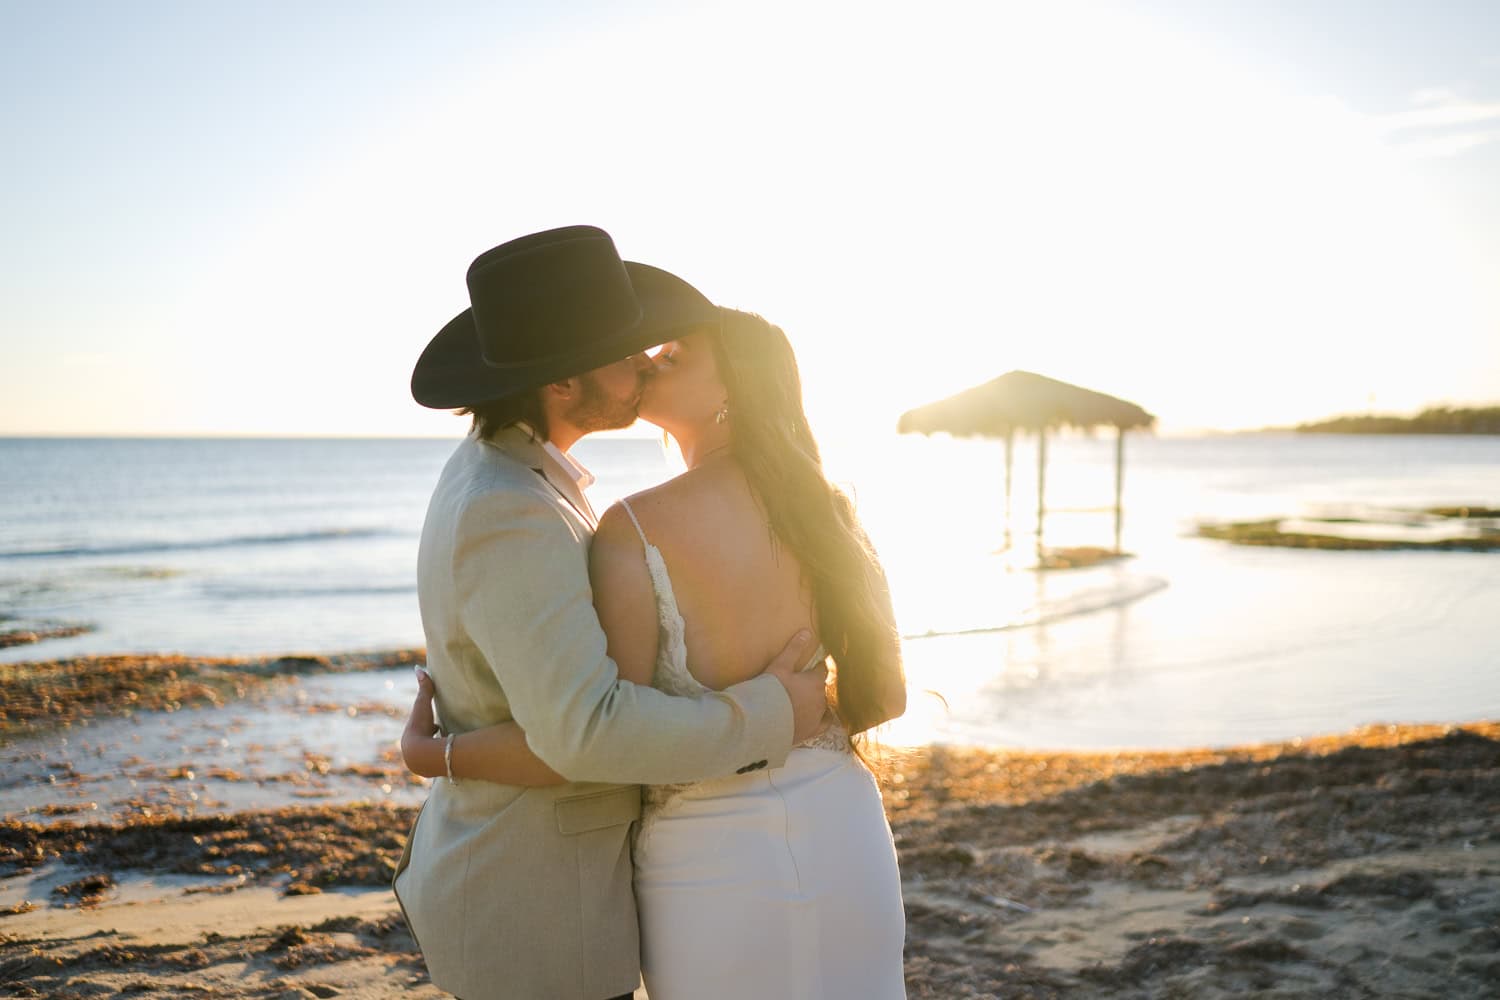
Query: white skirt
773 884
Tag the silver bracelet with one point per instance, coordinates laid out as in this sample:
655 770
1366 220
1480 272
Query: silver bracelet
448 757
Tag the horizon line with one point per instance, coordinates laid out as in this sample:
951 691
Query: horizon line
1182 432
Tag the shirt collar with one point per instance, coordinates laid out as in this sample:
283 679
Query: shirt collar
570 466
580 475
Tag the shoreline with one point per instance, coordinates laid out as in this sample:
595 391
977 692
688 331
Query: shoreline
1360 863
43 696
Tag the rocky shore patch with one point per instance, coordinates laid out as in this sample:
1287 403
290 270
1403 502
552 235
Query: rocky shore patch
1366 864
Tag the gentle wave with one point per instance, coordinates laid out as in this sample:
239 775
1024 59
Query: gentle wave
240 592
1086 603
239 541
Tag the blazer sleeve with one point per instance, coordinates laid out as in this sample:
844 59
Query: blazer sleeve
524 598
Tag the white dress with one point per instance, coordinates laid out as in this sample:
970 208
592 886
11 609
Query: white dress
779 883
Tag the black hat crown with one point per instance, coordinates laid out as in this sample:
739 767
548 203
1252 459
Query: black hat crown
549 294
548 306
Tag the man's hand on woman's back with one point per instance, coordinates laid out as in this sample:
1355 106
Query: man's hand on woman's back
808 689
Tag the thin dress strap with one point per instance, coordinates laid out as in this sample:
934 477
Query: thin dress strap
638 529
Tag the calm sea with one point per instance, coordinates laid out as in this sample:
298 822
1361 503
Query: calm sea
235 546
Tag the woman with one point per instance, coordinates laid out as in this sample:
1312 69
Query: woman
778 883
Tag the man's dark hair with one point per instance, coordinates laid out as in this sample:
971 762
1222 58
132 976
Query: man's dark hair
493 417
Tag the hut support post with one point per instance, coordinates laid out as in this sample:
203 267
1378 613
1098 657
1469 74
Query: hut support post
1119 485
1041 488
1010 440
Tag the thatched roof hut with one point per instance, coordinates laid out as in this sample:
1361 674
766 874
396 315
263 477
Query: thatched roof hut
1022 401
1031 403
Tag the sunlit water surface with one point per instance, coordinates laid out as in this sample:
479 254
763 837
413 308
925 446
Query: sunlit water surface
230 547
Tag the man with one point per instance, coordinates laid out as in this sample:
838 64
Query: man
526 892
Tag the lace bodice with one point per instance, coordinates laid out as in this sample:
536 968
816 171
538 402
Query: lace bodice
670 673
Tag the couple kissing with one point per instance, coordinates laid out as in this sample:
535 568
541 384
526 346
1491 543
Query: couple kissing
648 762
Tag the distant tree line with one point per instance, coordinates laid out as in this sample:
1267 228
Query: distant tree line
1433 420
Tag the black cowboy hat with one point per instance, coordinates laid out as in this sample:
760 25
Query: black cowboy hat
549 306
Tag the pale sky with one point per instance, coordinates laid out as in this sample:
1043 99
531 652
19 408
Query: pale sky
249 218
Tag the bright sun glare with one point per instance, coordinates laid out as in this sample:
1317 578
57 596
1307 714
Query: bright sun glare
922 206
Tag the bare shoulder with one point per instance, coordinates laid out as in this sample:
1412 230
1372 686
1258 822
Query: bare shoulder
617 532
709 528
683 499
623 595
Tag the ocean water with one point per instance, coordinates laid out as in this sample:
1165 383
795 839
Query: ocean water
227 546
250 547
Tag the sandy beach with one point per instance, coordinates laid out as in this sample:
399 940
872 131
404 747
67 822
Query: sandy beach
1362 864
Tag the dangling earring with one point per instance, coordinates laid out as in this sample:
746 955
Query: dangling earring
723 415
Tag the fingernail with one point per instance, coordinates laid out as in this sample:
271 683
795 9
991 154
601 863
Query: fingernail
804 635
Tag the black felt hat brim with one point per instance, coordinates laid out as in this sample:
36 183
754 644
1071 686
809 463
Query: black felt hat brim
452 373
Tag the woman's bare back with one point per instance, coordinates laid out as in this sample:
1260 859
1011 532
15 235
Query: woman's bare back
740 593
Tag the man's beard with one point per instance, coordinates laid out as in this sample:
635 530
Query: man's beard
596 410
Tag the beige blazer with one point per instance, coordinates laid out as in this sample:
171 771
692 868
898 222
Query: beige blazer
526 892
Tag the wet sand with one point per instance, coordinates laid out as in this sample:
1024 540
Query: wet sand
1366 864
1362 864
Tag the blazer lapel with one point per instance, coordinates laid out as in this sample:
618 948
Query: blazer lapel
564 485
520 445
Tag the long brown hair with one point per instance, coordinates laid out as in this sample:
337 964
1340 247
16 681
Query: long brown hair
774 447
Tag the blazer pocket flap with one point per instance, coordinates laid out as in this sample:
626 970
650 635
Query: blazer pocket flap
598 810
